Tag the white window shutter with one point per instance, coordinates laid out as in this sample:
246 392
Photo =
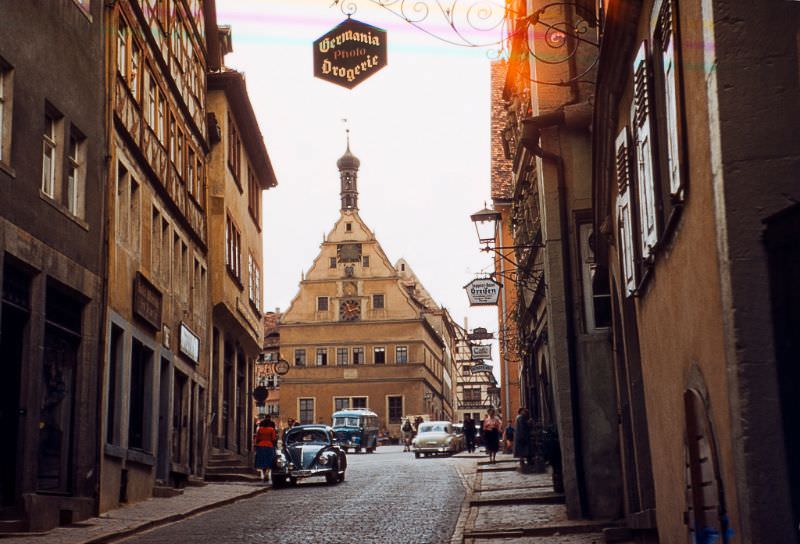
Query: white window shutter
627 247
667 37
645 149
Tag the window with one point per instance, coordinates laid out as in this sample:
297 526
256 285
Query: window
625 224
358 356
322 304
253 197
127 208
401 355
161 120
342 356
200 184
191 186
233 249
395 404
380 356
299 357
76 174
594 279
358 402
6 89
348 227
306 411
332 262
49 146
155 244
377 302
173 138
234 149
668 66
122 47
134 76
322 356
254 282
643 146
151 100
365 261
472 394
341 403
179 154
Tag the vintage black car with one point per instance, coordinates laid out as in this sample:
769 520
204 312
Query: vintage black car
308 451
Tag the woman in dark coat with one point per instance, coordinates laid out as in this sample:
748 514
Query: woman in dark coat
523 449
469 433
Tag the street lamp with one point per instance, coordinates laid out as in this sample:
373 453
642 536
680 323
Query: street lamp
486 225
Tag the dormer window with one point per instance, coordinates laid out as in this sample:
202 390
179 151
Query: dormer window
348 227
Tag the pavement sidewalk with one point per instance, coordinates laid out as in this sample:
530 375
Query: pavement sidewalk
505 506
124 522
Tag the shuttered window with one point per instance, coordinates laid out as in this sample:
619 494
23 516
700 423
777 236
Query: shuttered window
624 214
666 39
644 146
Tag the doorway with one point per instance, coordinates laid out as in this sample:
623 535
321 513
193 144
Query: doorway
14 323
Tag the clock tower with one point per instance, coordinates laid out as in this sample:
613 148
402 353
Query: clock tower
348 174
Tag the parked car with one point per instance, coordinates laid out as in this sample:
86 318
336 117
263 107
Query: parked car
435 438
356 428
309 451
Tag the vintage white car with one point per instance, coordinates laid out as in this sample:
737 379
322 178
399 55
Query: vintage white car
435 438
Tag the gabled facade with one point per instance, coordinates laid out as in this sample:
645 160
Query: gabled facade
52 259
357 334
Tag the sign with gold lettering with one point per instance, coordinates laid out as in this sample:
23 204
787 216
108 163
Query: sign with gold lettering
147 301
350 53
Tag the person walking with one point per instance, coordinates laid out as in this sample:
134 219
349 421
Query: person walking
492 426
469 432
523 449
264 441
508 441
407 431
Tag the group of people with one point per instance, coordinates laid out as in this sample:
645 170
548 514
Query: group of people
515 437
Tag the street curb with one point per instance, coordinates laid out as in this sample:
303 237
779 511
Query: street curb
167 520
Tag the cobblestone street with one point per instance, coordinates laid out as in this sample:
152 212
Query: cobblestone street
387 497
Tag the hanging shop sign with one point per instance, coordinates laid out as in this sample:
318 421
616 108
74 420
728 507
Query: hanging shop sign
475 369
483 292
147 301
350 53
260 395
481 351
479 333
190 343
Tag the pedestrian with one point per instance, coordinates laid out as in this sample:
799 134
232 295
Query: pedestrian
469 432
264 441
407 431
523 449
492 426
509 437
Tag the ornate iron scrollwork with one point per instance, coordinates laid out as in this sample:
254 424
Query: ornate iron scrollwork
562 27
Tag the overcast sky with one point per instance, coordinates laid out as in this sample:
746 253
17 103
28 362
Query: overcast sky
420 128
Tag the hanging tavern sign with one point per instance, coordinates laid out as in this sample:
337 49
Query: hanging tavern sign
350 53
483 292
479 333
474 369
481 351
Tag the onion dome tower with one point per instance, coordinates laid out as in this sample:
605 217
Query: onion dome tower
348 174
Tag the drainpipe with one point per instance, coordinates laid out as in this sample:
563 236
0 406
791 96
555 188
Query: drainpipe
506 379
575 116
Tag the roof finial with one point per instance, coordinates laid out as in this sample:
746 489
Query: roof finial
346 130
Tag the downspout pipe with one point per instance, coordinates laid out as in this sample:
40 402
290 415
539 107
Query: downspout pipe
569 116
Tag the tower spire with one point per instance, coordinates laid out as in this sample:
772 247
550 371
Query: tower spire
348 175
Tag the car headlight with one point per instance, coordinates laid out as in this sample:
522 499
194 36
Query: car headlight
323 460
280 462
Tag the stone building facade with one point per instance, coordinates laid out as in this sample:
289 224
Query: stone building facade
52 179
695 193
362 332
562 310
156 351
239 171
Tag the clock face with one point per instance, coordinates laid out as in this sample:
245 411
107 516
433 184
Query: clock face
349 310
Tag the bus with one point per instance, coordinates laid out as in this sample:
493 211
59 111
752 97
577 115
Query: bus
356 428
